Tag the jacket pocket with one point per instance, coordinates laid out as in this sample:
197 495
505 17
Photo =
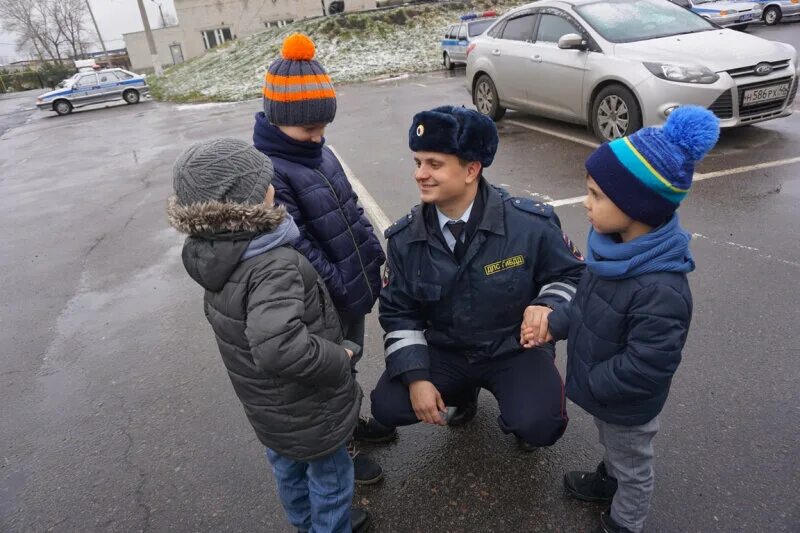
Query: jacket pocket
328 315
426 292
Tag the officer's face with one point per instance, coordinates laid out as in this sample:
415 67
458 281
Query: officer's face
603 214
443 178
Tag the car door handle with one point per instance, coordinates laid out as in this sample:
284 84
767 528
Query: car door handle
536 59
495 52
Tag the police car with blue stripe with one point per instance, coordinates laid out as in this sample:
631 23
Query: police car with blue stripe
776 10
94 87
728 14
458 36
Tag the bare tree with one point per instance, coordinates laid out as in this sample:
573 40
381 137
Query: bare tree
70 19
52 29
20 17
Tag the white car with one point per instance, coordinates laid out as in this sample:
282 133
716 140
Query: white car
584 61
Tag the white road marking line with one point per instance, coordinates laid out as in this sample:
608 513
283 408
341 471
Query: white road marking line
746 249
568 201
420 85
374 211
698 176
553 133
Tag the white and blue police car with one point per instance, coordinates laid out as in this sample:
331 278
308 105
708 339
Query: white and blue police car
728 14
458 36
94 87
773 11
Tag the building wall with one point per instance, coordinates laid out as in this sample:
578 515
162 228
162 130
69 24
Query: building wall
240 17
139 51
245 17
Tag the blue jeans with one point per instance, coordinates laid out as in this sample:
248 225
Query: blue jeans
316 495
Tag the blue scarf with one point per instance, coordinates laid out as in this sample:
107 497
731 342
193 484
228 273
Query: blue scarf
665 249
270 140
286 232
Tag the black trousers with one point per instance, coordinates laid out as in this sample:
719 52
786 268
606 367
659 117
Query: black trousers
527 387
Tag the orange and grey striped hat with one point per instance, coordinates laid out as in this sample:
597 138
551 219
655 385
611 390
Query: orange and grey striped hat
297 90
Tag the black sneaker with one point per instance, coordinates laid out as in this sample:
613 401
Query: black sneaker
359 519
370 430
464 414
608 525
595 486
367 471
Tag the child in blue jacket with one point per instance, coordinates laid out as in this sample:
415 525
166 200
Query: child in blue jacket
335 236
628 322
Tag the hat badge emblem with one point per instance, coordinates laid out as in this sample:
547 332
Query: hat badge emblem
420 130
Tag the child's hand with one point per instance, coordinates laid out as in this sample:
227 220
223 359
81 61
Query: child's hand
349 353
534 329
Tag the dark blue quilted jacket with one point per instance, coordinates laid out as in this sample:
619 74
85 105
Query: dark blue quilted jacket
625 343
336 237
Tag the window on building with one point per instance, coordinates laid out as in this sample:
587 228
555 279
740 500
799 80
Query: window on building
214 38
278 23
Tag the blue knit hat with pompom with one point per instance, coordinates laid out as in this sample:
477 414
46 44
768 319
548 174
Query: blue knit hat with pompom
648 173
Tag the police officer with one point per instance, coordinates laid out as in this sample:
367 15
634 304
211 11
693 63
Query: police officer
463 269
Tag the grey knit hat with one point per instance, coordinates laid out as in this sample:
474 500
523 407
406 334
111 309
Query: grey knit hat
297 90
222 170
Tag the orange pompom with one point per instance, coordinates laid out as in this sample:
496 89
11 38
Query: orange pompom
298 47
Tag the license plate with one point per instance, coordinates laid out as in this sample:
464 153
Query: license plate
765 94
746 17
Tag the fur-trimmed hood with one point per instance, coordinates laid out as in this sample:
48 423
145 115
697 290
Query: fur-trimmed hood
210 218
219 233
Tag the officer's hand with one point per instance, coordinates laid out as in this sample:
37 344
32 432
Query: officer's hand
534 330
427 402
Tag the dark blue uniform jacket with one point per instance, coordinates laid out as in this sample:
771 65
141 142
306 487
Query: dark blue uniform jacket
517 257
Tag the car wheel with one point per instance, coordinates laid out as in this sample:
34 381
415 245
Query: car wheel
447 63
62 107
131 97
486 99
772 15
615 113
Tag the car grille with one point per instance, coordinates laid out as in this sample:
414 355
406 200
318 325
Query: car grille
751 70
723 106
764 107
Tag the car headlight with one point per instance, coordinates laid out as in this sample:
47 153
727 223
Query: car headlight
682 73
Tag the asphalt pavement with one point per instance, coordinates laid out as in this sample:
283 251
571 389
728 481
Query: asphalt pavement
118 415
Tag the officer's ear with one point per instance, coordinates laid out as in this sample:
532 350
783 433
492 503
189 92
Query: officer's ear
473 171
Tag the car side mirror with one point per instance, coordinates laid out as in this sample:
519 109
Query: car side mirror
572 41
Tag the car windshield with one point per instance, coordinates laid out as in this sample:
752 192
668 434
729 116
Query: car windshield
654 19
476 28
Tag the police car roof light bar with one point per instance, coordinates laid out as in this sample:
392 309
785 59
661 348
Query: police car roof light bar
473 16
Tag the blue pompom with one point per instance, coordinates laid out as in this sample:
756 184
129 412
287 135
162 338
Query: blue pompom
693 128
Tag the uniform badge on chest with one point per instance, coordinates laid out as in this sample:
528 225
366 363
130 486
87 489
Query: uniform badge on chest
504 264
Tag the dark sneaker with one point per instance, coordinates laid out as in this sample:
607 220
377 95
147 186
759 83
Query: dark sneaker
359 519
370 430
595 486
367 471
464 414
608 525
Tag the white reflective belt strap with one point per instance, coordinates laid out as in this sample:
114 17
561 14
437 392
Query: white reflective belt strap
565 290
403 338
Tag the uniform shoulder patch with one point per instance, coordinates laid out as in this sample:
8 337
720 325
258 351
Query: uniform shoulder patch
530 206
400 224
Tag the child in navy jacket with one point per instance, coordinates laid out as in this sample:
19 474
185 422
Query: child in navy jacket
335 236
628 322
